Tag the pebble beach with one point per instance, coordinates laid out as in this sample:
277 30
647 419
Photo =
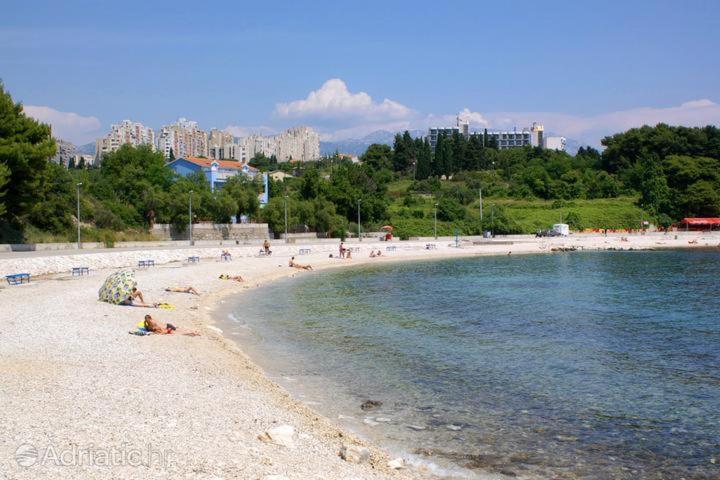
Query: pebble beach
81 398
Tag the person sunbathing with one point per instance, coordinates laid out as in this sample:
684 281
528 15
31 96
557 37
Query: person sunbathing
237 278
153 326
132 302
182 290
292 264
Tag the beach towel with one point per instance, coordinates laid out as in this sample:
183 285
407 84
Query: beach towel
140 331
166 306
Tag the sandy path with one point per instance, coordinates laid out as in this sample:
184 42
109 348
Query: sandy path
85 394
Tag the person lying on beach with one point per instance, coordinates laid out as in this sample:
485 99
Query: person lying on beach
292 264
237 278
182 290
152 325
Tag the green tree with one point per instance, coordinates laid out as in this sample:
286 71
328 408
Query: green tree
377 156
311 185
443 156
25 147
128 174
4 179
424 159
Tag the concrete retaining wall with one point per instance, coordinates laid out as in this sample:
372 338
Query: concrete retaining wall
213 231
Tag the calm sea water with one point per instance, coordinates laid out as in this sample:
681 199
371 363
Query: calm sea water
584 365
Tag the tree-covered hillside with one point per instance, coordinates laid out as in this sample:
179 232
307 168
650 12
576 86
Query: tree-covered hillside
659 173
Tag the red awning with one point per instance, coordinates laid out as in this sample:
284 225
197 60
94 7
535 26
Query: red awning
701 221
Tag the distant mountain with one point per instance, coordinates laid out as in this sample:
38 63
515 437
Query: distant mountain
87 149
357 146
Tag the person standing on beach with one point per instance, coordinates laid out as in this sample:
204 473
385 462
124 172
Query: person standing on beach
342 250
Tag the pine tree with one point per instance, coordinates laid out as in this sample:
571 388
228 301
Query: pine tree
423 167
443 156
25 147
398 157
474 153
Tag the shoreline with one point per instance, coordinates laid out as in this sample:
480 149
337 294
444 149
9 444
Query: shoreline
203 391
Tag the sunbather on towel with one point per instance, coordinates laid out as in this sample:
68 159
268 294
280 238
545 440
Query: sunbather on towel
293 264
237 278
182 290
152 325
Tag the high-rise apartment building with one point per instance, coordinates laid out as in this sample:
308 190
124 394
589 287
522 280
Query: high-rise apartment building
300 144
65 152
222 146
183 139
125 133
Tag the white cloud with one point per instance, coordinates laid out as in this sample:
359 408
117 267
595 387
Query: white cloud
474 118
333 100
239 131
591 129
66 125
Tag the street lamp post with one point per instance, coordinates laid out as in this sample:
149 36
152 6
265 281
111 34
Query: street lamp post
359 234
78 215
190 222
286 226
435 227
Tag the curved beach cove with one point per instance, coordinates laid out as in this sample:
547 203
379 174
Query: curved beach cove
585 365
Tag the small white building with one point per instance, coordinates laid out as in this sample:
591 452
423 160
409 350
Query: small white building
555 143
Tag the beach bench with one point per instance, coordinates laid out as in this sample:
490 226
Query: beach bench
304 251
430 246
225 257
146 263
193 259
391 248
80 271
18 278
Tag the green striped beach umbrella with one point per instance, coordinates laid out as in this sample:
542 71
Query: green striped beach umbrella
117 287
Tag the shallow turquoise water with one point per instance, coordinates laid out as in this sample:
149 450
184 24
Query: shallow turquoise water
583 365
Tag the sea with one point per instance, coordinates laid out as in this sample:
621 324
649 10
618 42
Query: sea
582 365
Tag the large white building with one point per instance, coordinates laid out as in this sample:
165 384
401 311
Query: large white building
556 143
300 144
183 139
125 133
532 137
222 146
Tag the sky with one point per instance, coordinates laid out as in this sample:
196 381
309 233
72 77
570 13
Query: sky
347 68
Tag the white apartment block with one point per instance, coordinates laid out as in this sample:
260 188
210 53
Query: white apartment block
65 152
184 138
222 146
297 144
125 133
532 136
556 143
